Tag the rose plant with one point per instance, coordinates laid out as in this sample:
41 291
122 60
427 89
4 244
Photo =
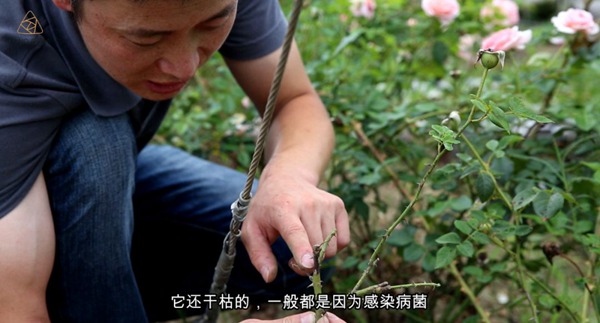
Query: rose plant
445 10
363 8
575 20
485 181
507 39
501 12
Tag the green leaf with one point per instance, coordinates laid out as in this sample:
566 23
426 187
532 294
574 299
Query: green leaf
480 238
361 208
479 215
466 249
401 238
583 226
509 140
500 123
522 230
499 267
524 197
444 136
539 59
428 262
450 237
547 301
348 40
370 178
473 271
484 186
546 205
461 204
480 105
350 262
593 165
444 257
472 319
363 265
492 144
586 119
440 52
596 168
519 110
498 117
473 223
413 252
463 226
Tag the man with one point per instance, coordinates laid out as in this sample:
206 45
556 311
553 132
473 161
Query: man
83 87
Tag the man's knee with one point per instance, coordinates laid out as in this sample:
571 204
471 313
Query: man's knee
91 166
95 150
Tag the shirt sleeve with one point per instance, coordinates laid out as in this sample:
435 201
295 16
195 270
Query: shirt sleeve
258 30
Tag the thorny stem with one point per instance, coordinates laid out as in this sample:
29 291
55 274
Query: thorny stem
567 258
486 167
500 192
319 255
408 208
385 287
522 281
514 256
551 293
392 227
467 290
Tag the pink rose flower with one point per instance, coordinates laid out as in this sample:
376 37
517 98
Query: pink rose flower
574 20
507 39
507 9
445 10
363 8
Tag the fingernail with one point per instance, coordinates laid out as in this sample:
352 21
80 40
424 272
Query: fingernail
308 317
307 261
265 273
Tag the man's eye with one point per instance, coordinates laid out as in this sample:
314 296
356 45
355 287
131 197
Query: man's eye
215 23
142 41
144 44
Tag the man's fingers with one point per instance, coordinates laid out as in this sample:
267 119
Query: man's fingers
328 226
306 317
343 228
298 269
259 250
336 218
295 235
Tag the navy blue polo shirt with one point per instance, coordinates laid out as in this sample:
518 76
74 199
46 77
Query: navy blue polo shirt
46 73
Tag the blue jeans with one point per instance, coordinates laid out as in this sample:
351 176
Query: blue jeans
109 270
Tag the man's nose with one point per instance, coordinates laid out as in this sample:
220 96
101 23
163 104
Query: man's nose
180 63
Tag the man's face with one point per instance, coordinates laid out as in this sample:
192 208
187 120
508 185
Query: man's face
154 47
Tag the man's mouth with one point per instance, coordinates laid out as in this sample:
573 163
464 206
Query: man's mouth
165 88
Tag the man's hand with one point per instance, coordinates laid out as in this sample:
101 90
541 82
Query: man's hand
286 204
306 317
299 144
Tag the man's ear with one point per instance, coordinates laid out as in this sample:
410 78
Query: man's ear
63 4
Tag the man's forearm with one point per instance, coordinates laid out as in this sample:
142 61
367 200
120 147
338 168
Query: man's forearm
301 138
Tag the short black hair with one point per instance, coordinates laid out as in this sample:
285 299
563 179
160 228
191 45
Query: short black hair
76 6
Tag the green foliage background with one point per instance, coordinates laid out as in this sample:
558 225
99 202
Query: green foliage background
386 81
